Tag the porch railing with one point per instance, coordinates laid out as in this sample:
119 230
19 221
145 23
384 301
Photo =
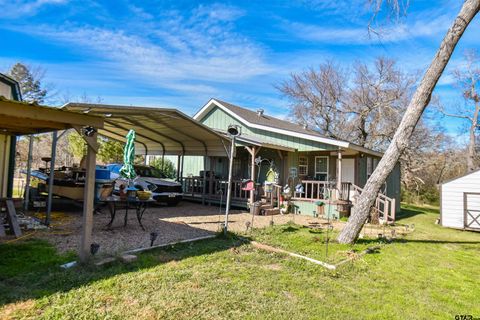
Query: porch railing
384 205
319 190
213 188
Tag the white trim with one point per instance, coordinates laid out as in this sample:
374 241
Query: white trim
322 172
206 108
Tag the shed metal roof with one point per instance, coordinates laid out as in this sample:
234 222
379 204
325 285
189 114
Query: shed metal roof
158 130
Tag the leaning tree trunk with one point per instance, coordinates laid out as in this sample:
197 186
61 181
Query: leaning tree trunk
417 105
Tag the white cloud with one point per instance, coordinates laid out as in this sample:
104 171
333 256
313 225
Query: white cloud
173 52
19 9
360 36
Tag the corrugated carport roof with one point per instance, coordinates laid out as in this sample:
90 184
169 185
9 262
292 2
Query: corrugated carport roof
21 118
158 130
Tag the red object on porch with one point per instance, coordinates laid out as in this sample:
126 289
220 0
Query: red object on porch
248 185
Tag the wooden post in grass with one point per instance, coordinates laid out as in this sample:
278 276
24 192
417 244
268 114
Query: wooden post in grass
88 198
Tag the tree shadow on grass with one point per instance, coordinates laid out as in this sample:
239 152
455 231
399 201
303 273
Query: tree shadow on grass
408 213
437 241
31 269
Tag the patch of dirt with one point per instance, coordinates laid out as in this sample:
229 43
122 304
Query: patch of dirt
273 267
8 311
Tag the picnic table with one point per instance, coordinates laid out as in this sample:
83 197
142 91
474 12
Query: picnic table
115 203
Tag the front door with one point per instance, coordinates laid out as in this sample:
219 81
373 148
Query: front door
472 210
348 170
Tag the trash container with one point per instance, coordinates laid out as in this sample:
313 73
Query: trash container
255 208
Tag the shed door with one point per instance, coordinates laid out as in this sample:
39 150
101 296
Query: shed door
472 210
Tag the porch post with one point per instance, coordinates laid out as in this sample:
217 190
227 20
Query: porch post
204 185
252 175
339 172
88 200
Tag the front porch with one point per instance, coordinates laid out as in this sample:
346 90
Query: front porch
311 178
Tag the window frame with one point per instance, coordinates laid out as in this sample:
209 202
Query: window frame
327 173
299 171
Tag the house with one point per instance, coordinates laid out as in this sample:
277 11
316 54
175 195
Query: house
10 90
296 154
460 202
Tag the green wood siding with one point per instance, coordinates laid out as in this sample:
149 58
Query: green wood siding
219 119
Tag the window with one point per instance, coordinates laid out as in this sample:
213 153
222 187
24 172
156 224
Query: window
369 166
302 165
321 168
237 167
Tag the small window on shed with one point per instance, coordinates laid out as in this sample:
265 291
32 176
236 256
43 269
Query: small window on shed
302 165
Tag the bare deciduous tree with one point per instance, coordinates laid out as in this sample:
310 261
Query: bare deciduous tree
376 101
468 78
317 97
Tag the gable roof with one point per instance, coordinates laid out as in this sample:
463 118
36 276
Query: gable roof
265 122
13 84
460 177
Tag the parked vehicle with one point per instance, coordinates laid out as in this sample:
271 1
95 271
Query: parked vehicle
150 179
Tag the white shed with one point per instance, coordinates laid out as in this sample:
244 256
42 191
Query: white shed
460 202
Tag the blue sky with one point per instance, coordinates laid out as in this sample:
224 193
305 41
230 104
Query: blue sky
181 53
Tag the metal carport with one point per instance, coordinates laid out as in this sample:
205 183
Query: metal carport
159 131
19 118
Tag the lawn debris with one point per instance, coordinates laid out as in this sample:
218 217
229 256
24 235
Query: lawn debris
292 254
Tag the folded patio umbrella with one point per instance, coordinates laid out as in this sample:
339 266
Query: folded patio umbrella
127 170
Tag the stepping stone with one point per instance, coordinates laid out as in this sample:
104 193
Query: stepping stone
128 258
105 261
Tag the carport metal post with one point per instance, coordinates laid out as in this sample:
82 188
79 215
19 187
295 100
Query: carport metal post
178 167
50 178
29 173
88 198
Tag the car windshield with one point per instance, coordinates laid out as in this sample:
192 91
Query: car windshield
150 172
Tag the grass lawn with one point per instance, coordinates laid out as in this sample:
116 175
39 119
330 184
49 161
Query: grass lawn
434 273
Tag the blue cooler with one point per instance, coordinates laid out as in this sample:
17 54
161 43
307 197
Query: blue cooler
102 173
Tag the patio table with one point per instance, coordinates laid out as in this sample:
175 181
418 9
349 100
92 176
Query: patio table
114 203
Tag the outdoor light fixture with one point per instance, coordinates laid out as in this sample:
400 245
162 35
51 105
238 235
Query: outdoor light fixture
153 237
94 248
89 131
234 131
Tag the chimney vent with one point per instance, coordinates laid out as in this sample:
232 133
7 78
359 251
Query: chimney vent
260 112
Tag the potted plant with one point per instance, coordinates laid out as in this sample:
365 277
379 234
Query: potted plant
320 208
